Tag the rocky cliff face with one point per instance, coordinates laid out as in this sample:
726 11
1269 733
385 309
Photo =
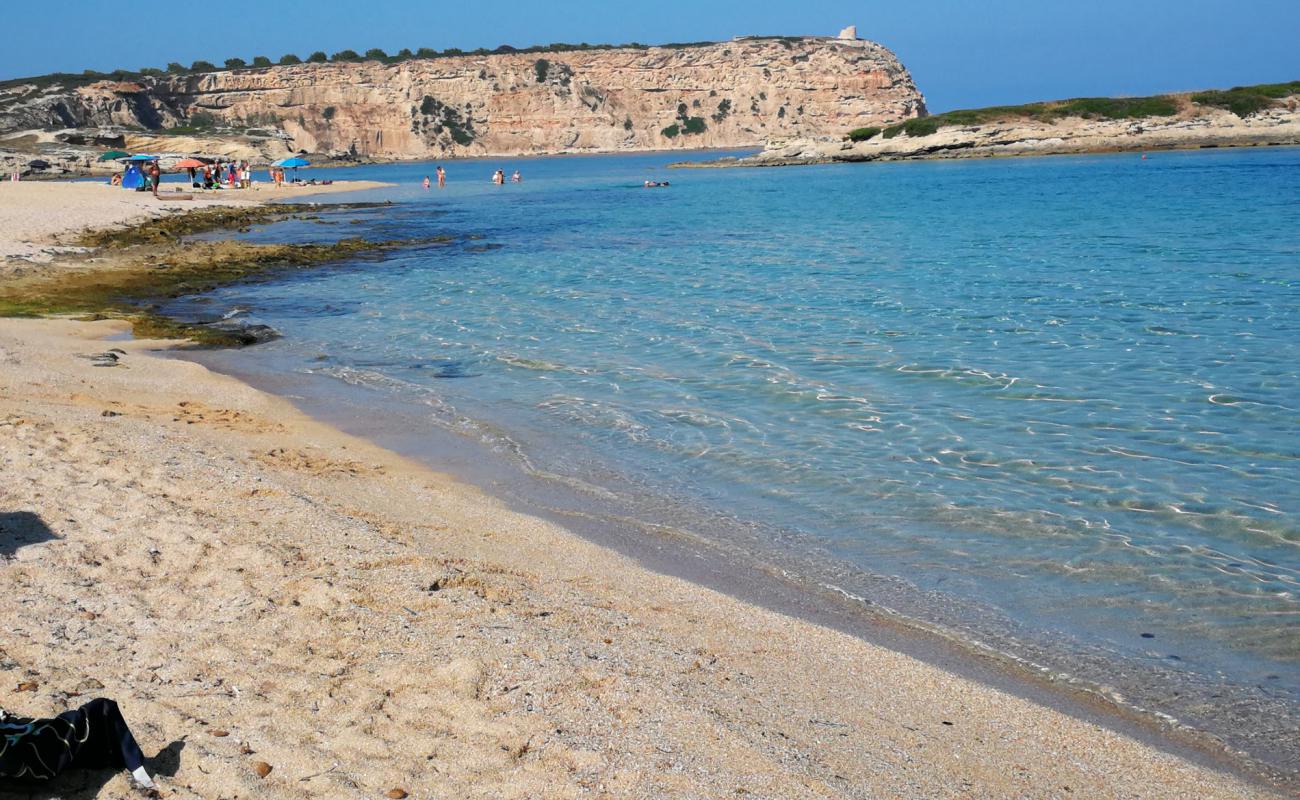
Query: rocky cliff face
742 92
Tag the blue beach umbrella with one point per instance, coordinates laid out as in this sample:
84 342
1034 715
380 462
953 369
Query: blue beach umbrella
141 157
293 163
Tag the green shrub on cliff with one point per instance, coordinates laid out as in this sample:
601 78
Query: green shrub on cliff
376 54
541 67
318 57
236 63
289 59
1246 100
203 66
261 61
1115 107
1084 107
345 55
861 134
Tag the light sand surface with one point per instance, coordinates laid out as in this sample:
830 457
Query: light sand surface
37 217
260 587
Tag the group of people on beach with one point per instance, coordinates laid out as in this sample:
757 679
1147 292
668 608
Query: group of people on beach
235 175
211 176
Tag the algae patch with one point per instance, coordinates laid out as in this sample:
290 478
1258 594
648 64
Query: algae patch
202 220
140 267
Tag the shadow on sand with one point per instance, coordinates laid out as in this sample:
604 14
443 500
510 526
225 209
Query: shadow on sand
86 784
21 528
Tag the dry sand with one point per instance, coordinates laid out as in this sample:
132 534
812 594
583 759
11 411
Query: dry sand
261 587
37 218
253 586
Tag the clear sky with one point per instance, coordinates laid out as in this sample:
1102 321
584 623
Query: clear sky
962 53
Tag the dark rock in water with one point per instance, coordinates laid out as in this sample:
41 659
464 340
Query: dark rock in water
244 334
1148 636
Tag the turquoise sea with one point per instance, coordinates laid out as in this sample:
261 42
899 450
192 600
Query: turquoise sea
1049 407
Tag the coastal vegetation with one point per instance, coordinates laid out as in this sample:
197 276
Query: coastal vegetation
1085 107
1246 100
1242 101
342 56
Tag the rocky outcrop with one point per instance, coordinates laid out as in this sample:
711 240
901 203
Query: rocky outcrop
1195 127
736 93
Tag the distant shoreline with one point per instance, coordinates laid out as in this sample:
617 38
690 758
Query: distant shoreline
1191 129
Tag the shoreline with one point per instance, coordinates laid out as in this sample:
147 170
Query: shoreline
797 588
308 455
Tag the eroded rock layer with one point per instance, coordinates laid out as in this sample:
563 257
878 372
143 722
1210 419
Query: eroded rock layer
735 93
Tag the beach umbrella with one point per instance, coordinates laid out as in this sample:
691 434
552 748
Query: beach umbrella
113 155
188 163
293 163
141 157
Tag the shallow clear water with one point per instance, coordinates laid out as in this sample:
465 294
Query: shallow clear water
1062 389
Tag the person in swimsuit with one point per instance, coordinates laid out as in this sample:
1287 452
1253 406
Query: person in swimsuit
155 176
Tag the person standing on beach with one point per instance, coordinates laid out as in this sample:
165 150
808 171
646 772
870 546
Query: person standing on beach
155 176
442 177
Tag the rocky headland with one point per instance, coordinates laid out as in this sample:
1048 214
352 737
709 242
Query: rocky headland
1094 125
742 92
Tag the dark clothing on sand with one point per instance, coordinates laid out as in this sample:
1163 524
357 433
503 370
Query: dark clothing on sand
92 737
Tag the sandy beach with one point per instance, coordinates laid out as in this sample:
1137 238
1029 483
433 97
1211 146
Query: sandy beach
257 589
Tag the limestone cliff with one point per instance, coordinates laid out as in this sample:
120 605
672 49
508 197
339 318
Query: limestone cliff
742 92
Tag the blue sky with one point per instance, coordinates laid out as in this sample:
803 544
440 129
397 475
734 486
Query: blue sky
962 53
